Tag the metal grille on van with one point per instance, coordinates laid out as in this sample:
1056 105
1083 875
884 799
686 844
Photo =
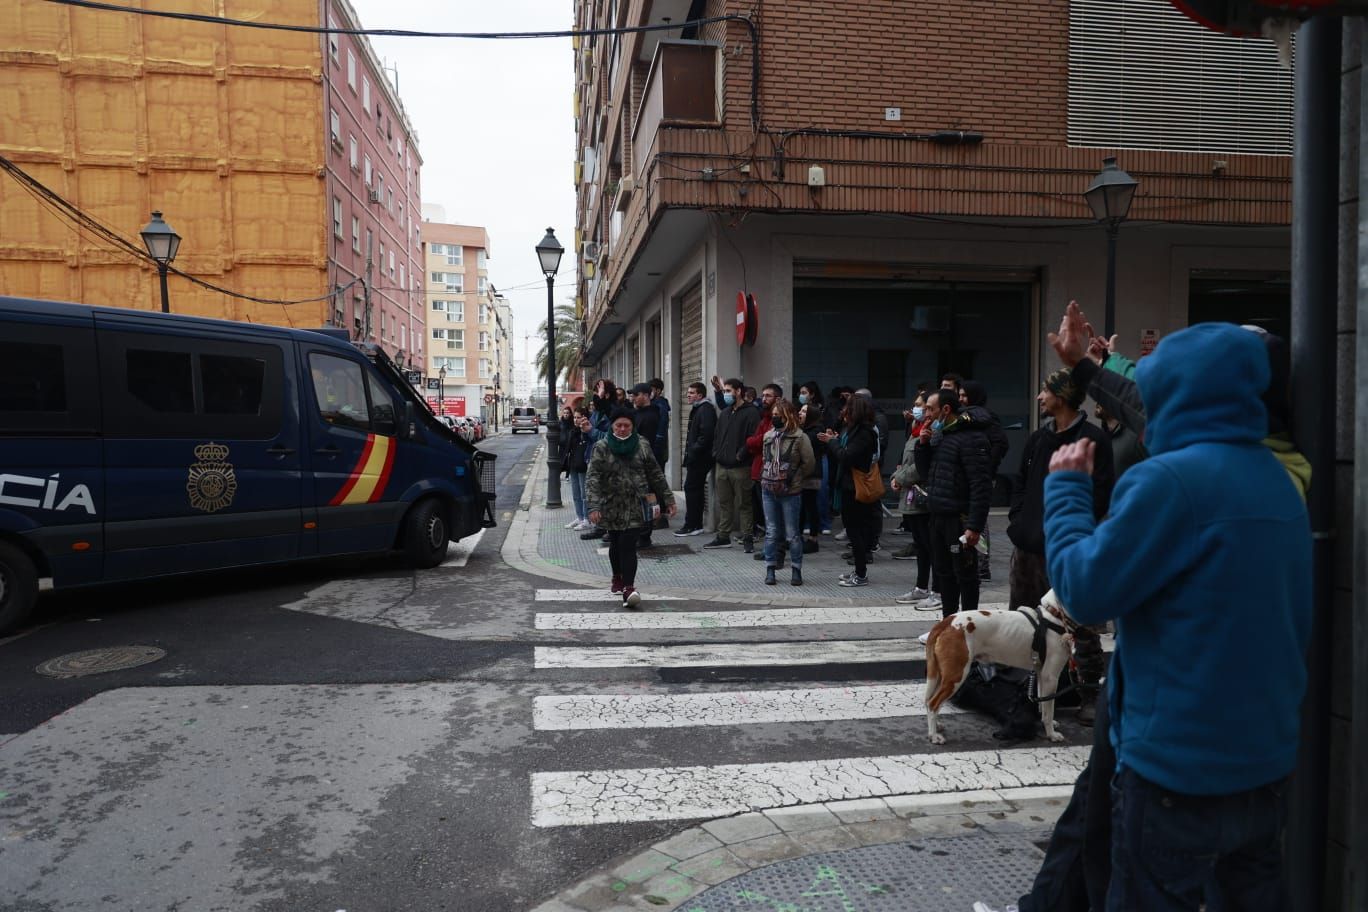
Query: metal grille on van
1142 75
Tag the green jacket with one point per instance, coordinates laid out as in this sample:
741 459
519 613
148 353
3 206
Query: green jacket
1298 469
616 486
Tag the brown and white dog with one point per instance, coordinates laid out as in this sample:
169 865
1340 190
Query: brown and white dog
1005 637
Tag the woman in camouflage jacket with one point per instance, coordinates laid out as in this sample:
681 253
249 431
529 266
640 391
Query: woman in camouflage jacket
626 490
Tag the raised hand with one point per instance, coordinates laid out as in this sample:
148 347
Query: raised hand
1071 342
1074 457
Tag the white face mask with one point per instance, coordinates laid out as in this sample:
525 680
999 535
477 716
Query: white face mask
620 436
917 412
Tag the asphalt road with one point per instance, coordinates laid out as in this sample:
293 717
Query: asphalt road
359 736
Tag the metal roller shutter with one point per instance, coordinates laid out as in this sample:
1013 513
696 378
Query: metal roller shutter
690 351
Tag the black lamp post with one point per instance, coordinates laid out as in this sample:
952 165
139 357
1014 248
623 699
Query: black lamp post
441 390
549 253
162 243
1110 196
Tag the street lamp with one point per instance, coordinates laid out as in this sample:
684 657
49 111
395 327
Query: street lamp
549 253
1110 196
441 390
162 242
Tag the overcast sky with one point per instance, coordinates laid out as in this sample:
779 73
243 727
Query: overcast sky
495 129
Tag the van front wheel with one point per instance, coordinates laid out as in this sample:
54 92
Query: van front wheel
18 587
425 534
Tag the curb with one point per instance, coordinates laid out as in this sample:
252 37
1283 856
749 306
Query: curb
674 870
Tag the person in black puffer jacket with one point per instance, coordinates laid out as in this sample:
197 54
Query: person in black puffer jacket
575 447
956 467
854 448
974 405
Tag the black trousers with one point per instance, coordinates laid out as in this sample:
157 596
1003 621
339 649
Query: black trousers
956 564
810 517
858 523
695 486
1077 866
622 553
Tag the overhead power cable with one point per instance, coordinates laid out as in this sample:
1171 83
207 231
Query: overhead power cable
421 33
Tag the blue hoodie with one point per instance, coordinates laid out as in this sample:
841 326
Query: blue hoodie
1205 562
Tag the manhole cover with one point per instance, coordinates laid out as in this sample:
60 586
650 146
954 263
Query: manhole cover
98 661
900 876
666 551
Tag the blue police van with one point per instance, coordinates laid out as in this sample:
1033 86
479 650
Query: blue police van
136 445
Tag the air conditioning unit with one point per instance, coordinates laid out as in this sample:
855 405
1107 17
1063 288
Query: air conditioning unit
627 185
591 251
374 195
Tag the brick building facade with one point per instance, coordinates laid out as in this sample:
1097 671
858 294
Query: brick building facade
902 192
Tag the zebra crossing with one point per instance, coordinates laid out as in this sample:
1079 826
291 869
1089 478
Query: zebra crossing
767 744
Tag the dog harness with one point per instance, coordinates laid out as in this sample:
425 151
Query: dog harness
1040 625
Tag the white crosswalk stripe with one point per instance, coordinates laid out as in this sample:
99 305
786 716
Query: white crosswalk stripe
746 707
595 595
682 793
588 797
694 655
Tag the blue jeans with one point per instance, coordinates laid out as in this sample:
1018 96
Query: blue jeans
781 521
577 490
1173 851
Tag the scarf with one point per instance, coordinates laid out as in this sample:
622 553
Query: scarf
626 447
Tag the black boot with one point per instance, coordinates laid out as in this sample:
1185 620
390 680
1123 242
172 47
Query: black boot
769 576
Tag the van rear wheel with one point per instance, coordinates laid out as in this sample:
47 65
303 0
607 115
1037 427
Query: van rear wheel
18 587
425 534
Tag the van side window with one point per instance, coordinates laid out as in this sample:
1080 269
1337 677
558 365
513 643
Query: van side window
382 408
340 389
232 386
161 380
32 378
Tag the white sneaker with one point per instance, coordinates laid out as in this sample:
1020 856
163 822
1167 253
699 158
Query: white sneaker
573 524
584 525
913 596
932 603
922 639
984 907
841 536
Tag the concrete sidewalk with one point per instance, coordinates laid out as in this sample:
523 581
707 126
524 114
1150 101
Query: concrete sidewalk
539 543
928 853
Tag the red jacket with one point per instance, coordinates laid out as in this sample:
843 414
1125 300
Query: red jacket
755 444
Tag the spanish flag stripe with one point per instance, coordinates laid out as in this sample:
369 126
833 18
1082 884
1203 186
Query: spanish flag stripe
367 483
343 495
385 473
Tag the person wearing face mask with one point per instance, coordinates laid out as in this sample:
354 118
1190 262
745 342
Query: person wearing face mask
625 491
810 396
735 422
916 514
698 456
769 397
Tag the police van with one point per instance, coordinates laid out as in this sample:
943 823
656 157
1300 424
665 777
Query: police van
137 445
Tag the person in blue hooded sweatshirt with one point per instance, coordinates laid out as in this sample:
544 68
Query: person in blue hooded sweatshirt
1209 670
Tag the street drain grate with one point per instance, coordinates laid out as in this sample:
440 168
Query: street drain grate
98 661
666 551
926 875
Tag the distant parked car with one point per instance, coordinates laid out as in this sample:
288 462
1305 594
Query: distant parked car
525 419
461 426
481 432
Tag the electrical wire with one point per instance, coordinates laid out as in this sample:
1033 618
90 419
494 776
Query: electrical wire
83 221
419 33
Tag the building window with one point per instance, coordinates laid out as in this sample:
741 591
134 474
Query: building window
368 171
484 341
453 338
351 71
353 156
336 127
486 369
451 281
365 93
455 367
390 204
456 312
455 255
356 234
480 259
439 305
391 264
337 217
370 242
484 313
332 41
481 284
403 276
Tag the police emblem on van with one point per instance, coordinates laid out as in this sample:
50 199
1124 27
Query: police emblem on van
211 484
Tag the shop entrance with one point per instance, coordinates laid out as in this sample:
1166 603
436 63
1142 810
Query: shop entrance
891 334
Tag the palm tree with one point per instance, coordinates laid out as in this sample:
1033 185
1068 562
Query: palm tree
568 348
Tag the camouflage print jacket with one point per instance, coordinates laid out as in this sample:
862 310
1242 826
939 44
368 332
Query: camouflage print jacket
616 485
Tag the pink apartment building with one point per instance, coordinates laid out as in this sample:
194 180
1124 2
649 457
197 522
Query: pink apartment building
373 171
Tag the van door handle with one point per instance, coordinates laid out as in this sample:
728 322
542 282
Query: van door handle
331 449
280 451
